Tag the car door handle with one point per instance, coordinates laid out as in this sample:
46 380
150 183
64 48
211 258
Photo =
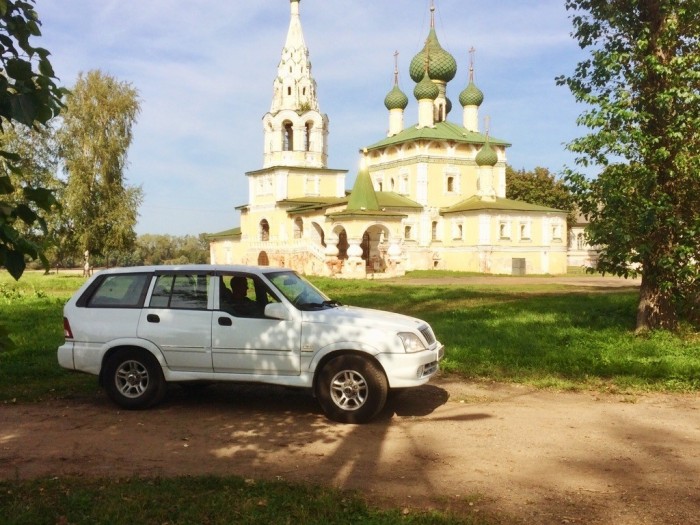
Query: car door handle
225 321
152 318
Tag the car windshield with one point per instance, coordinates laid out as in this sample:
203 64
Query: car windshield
300 292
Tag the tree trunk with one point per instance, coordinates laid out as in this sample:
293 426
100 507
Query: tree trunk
655 310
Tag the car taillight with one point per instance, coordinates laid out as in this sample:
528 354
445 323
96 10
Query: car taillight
67 332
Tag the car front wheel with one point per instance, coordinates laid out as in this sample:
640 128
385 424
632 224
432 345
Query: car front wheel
133 379
351 389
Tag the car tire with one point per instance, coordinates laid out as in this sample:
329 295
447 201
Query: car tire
351 389
134 379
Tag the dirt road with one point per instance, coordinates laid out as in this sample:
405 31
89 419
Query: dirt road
531 456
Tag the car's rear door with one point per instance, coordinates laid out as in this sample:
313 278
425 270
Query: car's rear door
177 318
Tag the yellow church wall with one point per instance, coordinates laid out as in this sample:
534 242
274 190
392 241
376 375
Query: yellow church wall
493 260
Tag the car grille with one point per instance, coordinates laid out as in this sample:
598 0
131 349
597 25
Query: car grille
428 334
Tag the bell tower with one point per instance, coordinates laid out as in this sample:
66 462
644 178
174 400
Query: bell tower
295 131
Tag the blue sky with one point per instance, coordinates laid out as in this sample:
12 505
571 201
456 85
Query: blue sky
204 71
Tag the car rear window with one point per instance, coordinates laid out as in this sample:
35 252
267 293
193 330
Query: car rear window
182 291
120 291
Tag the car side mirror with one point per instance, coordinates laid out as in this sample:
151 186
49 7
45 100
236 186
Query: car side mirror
277 311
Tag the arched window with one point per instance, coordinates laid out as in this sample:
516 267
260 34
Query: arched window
298 228
263 259
433 231
264 230
288 136
580 242
407 232
450 184
307 136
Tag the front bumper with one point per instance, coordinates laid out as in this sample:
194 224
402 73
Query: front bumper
407 370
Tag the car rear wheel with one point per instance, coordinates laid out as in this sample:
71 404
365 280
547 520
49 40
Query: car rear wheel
133 379
351 389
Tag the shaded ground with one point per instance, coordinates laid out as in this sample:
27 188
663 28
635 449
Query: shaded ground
530 456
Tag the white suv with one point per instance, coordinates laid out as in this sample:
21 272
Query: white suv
140 328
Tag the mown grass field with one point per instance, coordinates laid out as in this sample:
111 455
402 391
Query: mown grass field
540 334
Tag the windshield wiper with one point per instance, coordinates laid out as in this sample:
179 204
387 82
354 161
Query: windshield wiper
332 303
312 306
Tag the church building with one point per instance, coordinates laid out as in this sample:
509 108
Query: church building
430 195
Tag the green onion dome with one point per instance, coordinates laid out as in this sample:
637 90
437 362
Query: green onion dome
396 99
486 156
442 65
471 96
448 106
426 89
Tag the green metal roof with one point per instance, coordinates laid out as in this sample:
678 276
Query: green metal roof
390 199
362 196
306 205
441 131
365 214
476 204
226 234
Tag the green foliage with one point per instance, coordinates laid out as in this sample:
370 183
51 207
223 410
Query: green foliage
539 187
29 96
641 87
205 499
169 249
94 140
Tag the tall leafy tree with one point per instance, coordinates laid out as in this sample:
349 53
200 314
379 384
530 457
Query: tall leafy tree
539 186
94 140
641 86
29 97
36 166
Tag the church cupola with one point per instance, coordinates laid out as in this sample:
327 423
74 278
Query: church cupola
442 68
471 98
487 175
296 133
426 92
396 102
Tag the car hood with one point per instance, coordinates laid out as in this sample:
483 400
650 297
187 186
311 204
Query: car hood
363 317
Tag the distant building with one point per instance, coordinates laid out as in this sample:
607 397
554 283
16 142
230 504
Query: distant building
580 252
429 195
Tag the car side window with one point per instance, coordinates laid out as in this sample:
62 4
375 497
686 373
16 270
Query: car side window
181 291
120 291
244 295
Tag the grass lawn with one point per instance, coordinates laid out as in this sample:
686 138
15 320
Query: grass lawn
542 335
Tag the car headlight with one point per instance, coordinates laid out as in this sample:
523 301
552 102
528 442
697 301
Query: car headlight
411 342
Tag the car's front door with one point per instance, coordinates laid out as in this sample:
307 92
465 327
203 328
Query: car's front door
244 341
